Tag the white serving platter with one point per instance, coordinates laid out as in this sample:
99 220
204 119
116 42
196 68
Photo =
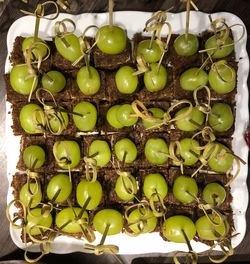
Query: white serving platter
135 22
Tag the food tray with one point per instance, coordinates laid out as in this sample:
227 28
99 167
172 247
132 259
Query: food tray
134 22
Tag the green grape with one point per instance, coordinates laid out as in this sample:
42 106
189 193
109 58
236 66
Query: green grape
112 117
109 217
193 78
221 117
59 182
174 226
208 231
54 81
185 189
86 189
121 189
156 151
87 121
220 51
223 79
126 82
125 150
34 195
187 47
58 121
111 41
40 45
69 214
88 80
191 122
100 151
156 112
155 79
126 115
153 183
214 194
72 50
20 81
67 154
222 159
149 221
34 157
189 152
35 218
31 118
150 55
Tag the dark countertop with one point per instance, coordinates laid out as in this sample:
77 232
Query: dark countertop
9 12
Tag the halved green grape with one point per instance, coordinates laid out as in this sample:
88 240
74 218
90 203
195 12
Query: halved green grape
126 115
59 182
214 194
35 218
34 195
220 51
72 50
221 117
156 112
189 152
111 41
156 151
222 159
185 189
69 214
124 184
186 48
126 82
191 122
109 217
150 55
112 117
175 226
87 121
125 150
67 154
20 80
40 45
34 157
155 79
100 151
153 183
149 221
31 119
208 231
86 190
222 78
88 80
54 81
193 78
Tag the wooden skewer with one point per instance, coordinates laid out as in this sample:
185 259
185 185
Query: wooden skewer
187 19
111 7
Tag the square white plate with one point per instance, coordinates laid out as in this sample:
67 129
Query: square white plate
135 22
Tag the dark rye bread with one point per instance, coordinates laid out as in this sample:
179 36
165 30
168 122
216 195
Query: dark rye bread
111 62
18 130
73 176
19 180
38 141
17 57
111 177
53 166
14 97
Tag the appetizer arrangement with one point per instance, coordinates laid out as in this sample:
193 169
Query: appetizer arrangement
124 135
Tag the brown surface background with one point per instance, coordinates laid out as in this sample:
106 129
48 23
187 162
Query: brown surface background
9 12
